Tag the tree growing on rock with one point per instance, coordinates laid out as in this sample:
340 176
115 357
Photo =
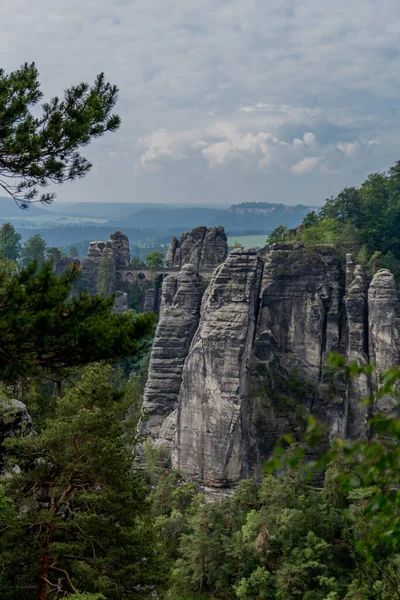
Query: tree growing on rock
154 260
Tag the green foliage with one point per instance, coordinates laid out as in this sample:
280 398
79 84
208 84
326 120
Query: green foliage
277 235
364 221
44 331
40 150
73 252
34 250
85 596
155 260
136 262
82 516
310 219
10 242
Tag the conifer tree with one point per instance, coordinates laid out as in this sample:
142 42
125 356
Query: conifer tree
36 151
44 331
82 524
34 250
10 242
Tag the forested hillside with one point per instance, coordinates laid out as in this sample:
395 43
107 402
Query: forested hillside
364 221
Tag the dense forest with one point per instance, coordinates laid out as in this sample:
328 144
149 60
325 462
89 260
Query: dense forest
80 517
364 221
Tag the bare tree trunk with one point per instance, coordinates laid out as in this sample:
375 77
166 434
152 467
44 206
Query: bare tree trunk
45 562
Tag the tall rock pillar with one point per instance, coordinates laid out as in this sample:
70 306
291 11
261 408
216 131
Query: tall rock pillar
358 388
213 420
179 317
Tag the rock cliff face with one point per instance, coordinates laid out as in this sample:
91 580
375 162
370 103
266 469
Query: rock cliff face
212 421
203 247
229 376
179 317
14 422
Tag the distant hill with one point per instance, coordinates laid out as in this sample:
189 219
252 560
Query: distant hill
261 218
63 224
9 209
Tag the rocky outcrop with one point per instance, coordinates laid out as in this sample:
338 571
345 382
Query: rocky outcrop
384 328
300 297
15 421
119 244
212 430
358 388
227 379
203 247
91 266
180 311
383 319
121 302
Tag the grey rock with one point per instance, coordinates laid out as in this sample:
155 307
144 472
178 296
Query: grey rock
120 302
203 247
179 317
15 421
212 429
300 297
218 395
384 330
119 244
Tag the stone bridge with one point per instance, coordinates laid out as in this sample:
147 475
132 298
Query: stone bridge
141 274
204 248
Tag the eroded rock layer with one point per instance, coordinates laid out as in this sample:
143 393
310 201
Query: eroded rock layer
203 247
180 312
213 427
229 377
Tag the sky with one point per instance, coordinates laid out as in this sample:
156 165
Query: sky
223 101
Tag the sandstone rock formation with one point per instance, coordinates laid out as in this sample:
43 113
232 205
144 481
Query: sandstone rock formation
119 244
203 247
213 427
228 378
15 421
180 311
120 302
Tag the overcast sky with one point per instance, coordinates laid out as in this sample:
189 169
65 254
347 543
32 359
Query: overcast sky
223 100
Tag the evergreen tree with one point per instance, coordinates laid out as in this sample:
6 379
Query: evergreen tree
82 521
10 242
36 151
54 254
73 252
45 332
34 250
277 235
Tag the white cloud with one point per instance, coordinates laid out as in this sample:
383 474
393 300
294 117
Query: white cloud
306 165
309 139
348 148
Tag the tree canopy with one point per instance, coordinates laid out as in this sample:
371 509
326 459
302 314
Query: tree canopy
36 151
10 242
44 330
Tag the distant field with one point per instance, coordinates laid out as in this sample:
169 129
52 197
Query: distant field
248 241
